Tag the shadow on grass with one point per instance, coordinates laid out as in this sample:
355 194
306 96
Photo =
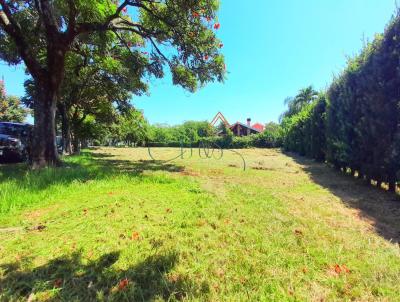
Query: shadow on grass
135 167
85 167
70 279
375 205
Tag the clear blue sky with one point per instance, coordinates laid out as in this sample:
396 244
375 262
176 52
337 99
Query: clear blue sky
272 48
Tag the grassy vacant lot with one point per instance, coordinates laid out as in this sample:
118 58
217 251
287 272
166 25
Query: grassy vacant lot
114 225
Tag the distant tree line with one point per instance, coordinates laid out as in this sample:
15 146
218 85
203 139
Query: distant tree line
193 134
355 124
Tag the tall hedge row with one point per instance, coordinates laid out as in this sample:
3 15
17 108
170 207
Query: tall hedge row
356 125
304 132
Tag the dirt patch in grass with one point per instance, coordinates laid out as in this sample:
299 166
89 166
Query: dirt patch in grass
39 213
11 230
262 168
188 172
215 172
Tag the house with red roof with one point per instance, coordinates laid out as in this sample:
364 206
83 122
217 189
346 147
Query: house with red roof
238 128
259 127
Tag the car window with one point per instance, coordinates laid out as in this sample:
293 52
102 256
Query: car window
13 130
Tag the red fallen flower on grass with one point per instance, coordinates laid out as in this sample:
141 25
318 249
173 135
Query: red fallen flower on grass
217 26
206 58
298 232
135 236
58 283
123 284
195 14
345 269
129 44
339 269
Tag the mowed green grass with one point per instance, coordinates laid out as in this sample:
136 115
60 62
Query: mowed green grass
114 225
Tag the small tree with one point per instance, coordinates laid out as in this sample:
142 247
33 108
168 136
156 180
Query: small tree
11 109
295 104
134 128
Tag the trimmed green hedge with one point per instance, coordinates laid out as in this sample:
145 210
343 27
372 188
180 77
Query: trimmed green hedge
356 126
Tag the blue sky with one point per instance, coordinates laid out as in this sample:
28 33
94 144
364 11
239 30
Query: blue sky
272 48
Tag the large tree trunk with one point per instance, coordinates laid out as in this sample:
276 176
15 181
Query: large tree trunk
44 151
66 129
76 145
48 84
392 182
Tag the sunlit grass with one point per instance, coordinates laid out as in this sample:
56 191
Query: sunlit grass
193 229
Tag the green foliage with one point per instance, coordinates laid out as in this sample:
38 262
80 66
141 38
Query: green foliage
303 98
11 109
363 114
133 127
270 138
175 34
357 125
192 133
189 133
304 132
90 129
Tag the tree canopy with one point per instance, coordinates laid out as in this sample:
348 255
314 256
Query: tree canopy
295 104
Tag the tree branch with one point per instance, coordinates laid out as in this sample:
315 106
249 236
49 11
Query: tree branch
48 18
159 51
70 34
13 29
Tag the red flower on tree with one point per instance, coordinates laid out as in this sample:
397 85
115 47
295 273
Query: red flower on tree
217 26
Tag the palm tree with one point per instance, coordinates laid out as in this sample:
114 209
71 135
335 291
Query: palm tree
304 97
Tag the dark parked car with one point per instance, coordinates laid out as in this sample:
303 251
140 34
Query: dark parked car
15 141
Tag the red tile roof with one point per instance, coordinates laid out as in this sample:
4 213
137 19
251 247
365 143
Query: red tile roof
258 126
